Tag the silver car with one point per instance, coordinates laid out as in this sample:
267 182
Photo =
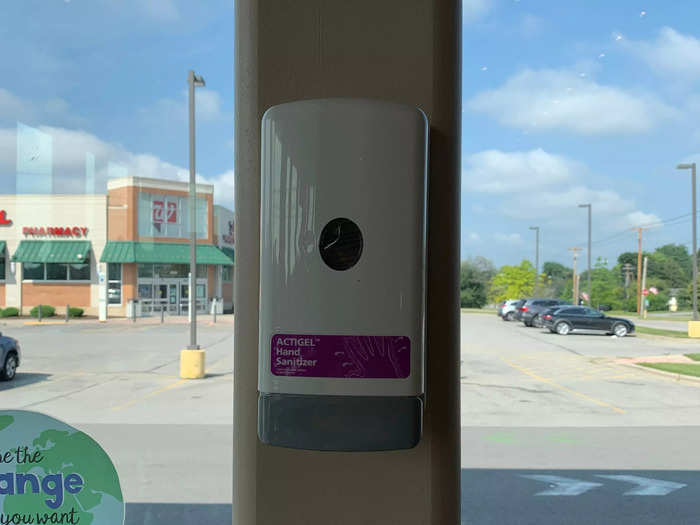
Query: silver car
507 309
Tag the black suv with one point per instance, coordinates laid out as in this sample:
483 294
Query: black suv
532 309
563 321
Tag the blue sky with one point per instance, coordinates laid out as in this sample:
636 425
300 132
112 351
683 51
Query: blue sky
575 102
563 103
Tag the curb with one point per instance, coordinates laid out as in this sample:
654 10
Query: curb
39 323
669 375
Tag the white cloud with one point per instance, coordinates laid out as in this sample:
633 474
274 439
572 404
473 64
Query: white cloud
564 100
163 10
70 146
473 10
537 187
495 171
508 238
671 53
473 237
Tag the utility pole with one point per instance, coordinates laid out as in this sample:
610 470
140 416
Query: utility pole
537 255
590 211
644 285
576 293
639 268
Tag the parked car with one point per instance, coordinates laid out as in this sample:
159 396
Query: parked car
507 307
510 312
569 319
534 307
10 355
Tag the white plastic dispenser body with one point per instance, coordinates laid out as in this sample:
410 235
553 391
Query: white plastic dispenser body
342 275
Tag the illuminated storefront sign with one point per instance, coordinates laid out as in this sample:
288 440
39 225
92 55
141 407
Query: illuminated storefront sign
4 221
55 231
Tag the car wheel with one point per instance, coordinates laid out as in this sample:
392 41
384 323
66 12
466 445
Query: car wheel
508 317
620 330
563 328
9 369
537 322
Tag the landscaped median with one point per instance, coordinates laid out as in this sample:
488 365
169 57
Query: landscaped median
687 365
647 330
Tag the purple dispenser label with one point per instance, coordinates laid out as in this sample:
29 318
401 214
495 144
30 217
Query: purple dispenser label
351 356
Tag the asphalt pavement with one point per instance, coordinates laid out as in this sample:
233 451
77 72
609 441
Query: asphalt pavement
556 431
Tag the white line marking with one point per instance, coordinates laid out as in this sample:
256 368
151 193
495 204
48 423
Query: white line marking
562 486
646 486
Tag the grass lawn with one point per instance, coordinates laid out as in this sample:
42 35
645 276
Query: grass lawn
694 357
661 331
676 368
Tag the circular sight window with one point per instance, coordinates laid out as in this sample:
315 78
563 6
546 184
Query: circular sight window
340 244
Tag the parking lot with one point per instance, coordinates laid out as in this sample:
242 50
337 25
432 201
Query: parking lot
170 439
533 403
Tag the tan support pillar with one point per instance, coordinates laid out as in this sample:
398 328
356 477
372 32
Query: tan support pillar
406 51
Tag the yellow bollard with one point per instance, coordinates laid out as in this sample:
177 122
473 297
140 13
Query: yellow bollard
191 364
693 328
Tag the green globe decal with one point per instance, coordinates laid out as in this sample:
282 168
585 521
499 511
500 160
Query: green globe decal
51 472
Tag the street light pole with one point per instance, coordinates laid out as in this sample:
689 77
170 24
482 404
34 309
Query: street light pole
691 167
193 81
590 291
537 255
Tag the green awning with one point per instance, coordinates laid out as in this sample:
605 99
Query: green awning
161 252
52 251
229 253
2 247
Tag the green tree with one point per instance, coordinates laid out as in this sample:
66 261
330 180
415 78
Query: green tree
475 275
557 277
513 282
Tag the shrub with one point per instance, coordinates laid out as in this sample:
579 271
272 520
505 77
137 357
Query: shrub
75 312
10 311
46 311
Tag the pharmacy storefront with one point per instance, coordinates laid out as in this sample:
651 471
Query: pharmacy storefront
113 255
49 246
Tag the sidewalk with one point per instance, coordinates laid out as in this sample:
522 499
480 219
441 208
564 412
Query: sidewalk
90 320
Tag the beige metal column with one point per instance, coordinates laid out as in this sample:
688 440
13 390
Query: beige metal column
405 51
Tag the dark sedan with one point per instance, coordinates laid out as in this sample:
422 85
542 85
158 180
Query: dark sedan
569 319
533 308
10 356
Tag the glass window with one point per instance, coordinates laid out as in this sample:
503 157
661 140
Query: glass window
202 271
145 270
145 291
174 271
114 284
227 274
56 271
33 271
114 272
201 291
79 272
2 267
168 216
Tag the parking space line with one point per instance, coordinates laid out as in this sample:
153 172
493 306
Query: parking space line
563 388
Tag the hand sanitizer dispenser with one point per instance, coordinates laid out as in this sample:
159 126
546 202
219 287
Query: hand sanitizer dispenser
342 275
